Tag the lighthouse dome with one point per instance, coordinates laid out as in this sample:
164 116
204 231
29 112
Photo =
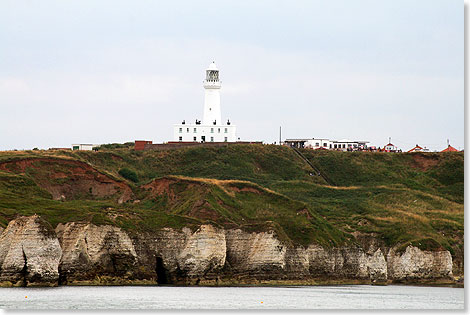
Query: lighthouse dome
212 66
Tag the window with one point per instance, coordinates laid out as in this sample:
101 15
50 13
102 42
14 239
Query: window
225 139
325 144
344 146
226 130
336 146
330 145
181 138
75 147
181 130
317 144
218 130
195 130
194 138
187 129
212 130
212 139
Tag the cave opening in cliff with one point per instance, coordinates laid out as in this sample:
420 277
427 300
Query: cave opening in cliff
162 273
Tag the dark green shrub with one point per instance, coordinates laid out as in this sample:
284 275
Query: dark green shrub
129 174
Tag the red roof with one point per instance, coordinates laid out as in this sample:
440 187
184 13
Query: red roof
417 147
450 149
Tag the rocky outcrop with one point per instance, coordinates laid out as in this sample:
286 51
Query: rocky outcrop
260 254
415 264
191 254
348 263
90 251
31 253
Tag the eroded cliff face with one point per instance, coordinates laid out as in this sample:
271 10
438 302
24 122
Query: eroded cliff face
90 251
187 254
417 264
32 253
255 254
74 180
349 263
29 253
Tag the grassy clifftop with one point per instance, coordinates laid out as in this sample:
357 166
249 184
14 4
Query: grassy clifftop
399 198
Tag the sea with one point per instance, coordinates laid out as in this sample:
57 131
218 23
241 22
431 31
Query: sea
190 298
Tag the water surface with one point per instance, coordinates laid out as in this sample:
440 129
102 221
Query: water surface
168 297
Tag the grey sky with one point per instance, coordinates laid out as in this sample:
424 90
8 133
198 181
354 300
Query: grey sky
116 71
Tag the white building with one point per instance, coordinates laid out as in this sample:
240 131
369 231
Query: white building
320 143
85 147
390 147
212 129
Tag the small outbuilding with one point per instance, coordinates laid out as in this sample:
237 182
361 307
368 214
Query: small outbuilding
390 147
417 148
450 149
140 144
84 146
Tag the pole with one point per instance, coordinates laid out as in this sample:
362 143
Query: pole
279 135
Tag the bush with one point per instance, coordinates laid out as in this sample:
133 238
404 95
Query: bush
129 174
110 146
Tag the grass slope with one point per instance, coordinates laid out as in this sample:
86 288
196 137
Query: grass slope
402 198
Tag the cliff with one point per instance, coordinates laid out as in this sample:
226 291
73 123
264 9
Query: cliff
29 253
82 253
230 215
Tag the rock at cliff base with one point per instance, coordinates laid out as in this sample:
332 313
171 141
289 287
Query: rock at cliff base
29 253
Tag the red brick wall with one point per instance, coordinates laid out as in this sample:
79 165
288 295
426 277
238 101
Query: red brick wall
140 144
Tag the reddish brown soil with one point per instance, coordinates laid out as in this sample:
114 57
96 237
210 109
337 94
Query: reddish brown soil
115 157
161 186
69 179
424 162
201 210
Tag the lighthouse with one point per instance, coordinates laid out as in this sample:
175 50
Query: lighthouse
212 96
212 128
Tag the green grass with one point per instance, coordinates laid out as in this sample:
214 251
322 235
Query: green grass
402 198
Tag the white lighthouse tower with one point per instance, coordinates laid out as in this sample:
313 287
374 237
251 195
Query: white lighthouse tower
212 96
212 129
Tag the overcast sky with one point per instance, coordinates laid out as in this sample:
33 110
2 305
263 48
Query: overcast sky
116 71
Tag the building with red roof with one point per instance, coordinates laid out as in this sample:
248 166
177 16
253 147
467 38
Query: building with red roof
390 148
450 149
417 148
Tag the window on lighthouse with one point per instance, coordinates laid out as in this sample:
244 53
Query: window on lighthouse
226 130
212 130
181 130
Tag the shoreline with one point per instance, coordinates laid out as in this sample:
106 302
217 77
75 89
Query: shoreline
246 283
